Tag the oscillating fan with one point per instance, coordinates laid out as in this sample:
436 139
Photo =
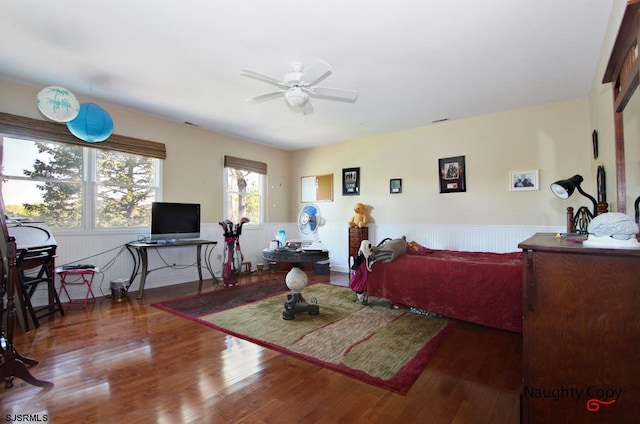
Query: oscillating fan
309 220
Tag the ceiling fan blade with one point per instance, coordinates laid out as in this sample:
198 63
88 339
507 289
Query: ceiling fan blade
262 77
316 72
266 96
340 93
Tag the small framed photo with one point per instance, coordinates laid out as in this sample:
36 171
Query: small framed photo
350 181
395 185
452 175
524 180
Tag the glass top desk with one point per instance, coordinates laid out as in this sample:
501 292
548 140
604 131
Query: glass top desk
141 258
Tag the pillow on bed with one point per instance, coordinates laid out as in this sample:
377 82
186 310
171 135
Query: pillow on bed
415 248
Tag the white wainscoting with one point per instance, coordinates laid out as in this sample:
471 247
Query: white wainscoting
177 265
483 238
335 238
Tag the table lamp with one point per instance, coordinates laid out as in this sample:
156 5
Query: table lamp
565 188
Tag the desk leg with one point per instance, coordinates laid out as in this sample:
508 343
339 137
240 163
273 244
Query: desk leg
144 259
136 264
199 265
207 260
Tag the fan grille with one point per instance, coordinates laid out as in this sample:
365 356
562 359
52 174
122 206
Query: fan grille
307 220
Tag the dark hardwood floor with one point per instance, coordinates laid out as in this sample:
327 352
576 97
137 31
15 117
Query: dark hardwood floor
129 362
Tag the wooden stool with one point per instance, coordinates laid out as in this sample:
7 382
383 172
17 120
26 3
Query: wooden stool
86 279
245 267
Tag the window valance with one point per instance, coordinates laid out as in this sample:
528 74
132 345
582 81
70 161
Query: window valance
246 164
38 130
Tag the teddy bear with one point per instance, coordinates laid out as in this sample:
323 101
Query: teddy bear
359 217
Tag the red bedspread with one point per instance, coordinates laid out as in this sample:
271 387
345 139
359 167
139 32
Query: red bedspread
483 288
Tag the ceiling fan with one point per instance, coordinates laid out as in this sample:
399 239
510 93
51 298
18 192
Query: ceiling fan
299 84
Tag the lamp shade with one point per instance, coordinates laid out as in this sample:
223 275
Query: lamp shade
93 124
562 189
565 188
57 103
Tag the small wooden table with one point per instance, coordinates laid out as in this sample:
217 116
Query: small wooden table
296 279
85 279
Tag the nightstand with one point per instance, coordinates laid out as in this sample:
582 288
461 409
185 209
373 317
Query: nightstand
356 235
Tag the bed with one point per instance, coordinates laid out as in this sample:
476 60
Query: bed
478 287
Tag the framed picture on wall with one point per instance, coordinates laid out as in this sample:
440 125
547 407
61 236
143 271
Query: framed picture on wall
523 180
350 181
452 174
395 185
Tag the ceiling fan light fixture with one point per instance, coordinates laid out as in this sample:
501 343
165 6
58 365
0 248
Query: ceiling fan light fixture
296 97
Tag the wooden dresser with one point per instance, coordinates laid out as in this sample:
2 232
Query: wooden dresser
356 235
581 333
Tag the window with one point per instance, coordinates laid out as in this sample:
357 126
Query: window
243 190
125 187
74 187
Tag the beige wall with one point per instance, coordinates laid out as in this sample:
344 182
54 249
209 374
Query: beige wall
193 169
553 138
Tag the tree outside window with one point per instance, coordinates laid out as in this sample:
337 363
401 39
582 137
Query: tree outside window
125 189
243 195
51 182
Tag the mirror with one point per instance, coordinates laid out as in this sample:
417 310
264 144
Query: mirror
632 153
317 188
622 72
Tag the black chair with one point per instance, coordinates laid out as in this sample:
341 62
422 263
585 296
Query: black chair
36 267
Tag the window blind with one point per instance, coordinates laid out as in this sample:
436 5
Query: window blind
246 164
38 130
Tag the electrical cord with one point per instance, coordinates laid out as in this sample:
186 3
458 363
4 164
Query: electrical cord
142 239
101 269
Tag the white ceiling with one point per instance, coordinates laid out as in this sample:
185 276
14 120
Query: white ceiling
411 61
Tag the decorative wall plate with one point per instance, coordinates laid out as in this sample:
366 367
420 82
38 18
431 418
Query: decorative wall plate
57 103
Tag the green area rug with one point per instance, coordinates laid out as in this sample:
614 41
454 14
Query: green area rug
377 344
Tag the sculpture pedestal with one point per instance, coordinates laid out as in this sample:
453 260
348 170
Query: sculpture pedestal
296 278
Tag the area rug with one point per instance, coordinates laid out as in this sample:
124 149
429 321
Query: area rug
376 343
